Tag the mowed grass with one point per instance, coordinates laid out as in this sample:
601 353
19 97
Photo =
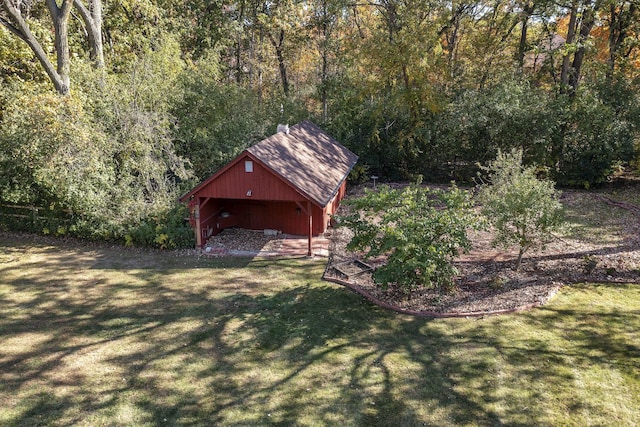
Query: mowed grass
102 336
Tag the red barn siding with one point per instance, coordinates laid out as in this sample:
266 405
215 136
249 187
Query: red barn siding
333 205
289 187
209 213
272 203
234 183
254 214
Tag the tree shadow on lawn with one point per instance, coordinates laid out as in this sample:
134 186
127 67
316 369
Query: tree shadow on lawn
210 370
582 358
380 369
250 347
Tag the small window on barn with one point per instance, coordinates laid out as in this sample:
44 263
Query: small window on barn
248 166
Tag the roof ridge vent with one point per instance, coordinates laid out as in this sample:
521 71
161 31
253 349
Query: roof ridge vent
283 128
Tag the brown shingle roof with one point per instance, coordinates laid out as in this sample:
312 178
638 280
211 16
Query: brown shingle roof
308 158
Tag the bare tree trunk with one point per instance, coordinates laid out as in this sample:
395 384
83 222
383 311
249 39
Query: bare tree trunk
278 45
324 52
566 60
570 74
238 53
58 75
92 18
614 33
60 18
527 11
488 67
409 95
516 267
588 21
451 33
260 62
324 78
619 23
452 41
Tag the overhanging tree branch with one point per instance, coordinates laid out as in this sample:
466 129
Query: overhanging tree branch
92 18
12 29
18 26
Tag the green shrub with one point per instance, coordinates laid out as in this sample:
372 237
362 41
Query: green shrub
592 141
523 209
419 230
167 230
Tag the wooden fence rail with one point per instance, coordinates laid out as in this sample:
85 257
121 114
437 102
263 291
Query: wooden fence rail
34 213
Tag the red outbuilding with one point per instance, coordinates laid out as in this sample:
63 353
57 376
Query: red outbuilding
291 182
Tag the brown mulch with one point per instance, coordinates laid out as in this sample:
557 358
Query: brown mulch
487 283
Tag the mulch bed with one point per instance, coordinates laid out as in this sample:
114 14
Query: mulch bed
487 284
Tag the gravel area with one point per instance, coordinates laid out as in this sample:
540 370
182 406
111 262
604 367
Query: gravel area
239 239
486 280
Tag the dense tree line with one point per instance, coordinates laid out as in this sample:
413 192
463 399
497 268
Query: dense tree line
109 109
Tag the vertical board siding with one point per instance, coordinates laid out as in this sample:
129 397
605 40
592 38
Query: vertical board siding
272 204
334 204
289 175
234 183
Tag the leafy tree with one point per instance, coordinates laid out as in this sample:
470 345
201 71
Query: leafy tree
131 29
582 18
17 61
418 229
380 131
523 209
594 134
487 42
480 122
215 121
133 109
203 25
46 160
92 20
105 153
327 23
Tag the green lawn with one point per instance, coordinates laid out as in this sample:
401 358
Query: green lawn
108 336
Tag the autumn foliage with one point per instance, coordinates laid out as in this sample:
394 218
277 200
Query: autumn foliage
165 92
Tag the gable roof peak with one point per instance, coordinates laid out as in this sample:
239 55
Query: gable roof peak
308 158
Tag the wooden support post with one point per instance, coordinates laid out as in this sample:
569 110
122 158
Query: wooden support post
196 215
310 213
